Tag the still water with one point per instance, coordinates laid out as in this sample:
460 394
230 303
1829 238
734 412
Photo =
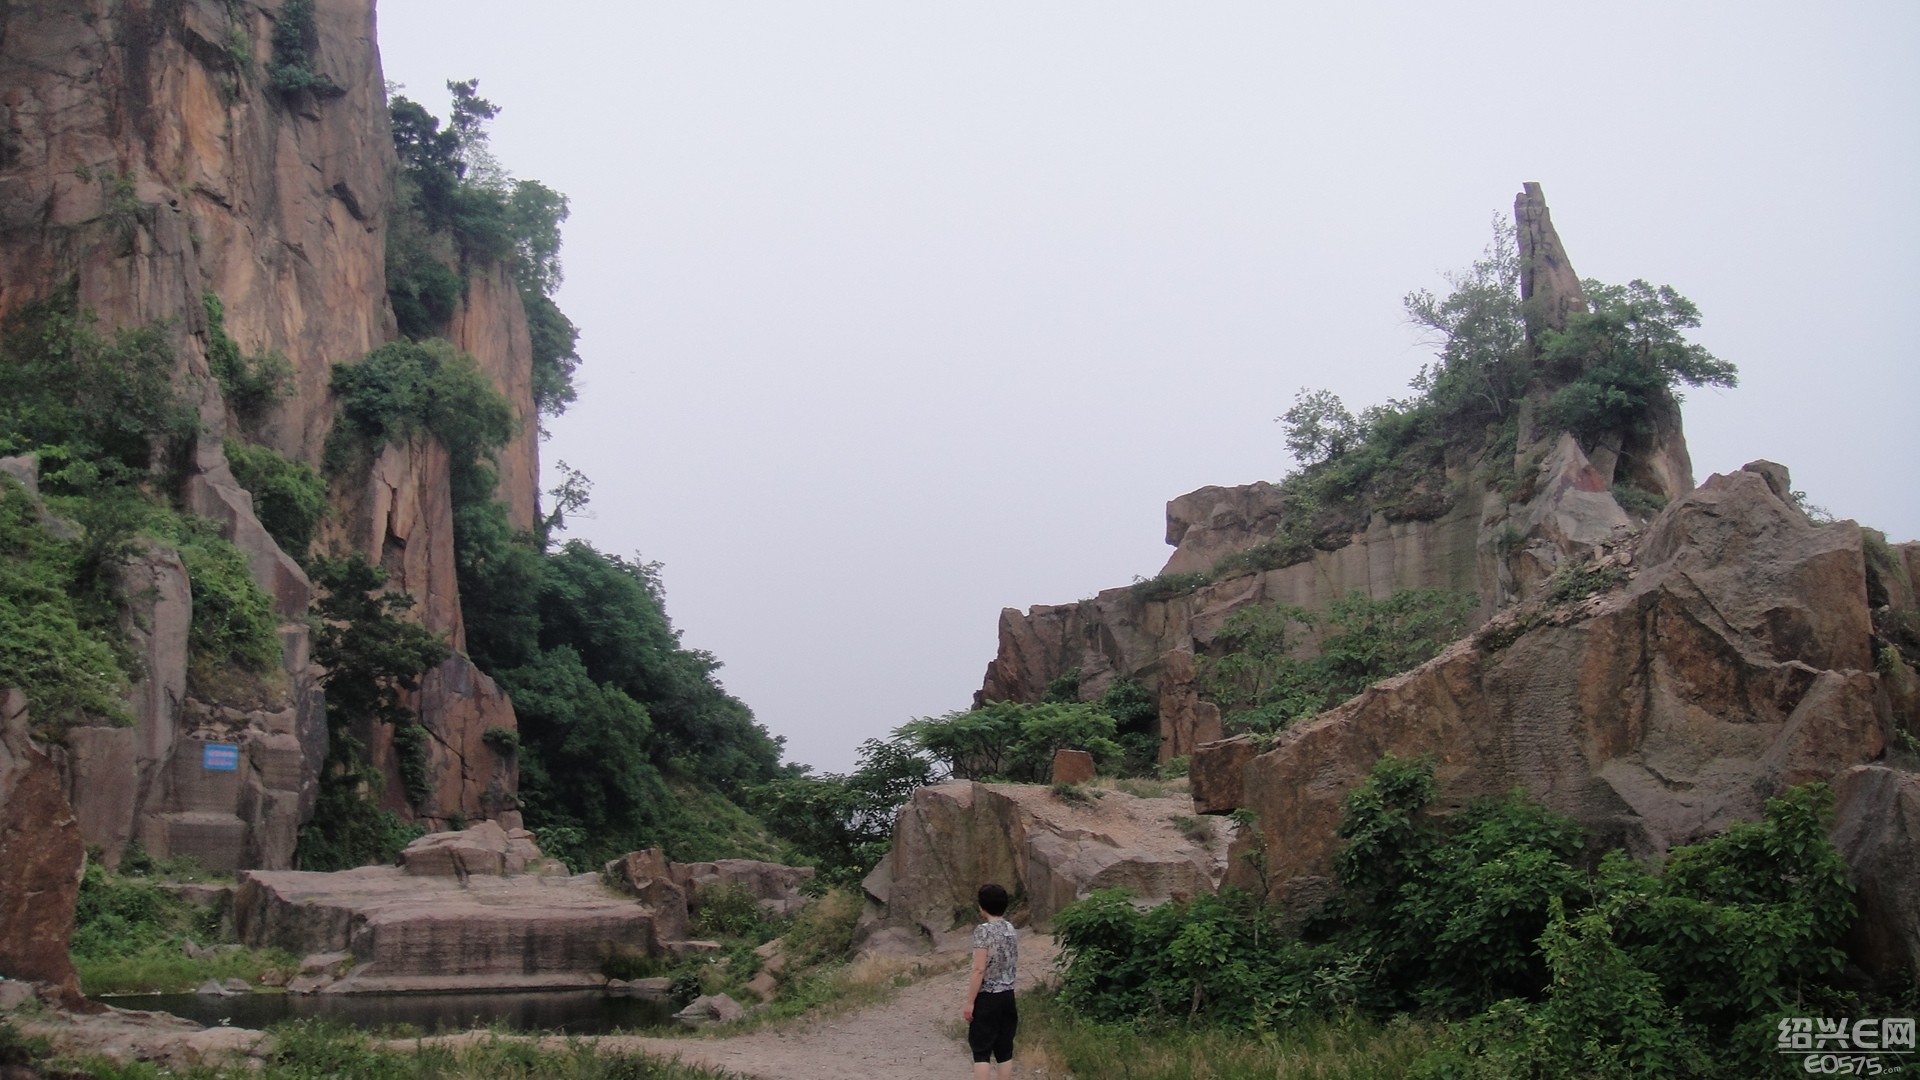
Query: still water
581 1012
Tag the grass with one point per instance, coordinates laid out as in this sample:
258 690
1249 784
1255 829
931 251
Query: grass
130 935
316 1051
1055 1043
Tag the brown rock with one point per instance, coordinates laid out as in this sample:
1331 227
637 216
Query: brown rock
424 933
1728 669
482 849
1218 774
490 324
1186 722
40 847
1072 767
645 875
952 838
1877 828
777 887
1210 523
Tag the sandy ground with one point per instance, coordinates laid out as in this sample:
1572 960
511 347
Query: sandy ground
917 1035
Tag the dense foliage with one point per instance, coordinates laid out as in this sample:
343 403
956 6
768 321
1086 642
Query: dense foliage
844 824
1253 674
289 497
1486 914
1008 740
58 631
373 658
251 384
467 212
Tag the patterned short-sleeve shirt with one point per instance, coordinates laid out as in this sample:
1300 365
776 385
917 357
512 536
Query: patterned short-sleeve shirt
1002 943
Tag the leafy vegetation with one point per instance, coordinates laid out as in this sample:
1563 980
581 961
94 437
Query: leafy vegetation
1013 741
1624 356
59 642
250 384
1261 684
289 498
234 627
295 37
1485 916
466 211
373 658
130 936
100 410
842 825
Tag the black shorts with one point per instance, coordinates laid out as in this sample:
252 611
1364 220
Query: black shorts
995 1019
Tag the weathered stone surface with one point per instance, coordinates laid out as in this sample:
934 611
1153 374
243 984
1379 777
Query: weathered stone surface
419 933
1210 523
646 875
1072 767
24 468
1185 720
483 849
1217 774
1877 828
490 324
711 1009
952 838
458 705
776 886
43 856
1734 664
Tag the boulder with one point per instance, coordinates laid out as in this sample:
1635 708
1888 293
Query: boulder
645 875
776 886
484 849
1185 720
41 849
1877 828
1734 663
711 1009
952 838
1072 767
1217 774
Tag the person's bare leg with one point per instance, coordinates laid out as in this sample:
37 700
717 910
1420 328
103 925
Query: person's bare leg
982 1071
1005 1069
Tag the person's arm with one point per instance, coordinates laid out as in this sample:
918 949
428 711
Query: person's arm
973 985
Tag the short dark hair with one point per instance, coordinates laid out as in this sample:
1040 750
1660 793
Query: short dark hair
993 899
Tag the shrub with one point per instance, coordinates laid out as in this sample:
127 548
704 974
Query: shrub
289 498
728 911
409 386
1169 586
1627 355
1013 740
294 39
234 624
1577 581
58 649
250 384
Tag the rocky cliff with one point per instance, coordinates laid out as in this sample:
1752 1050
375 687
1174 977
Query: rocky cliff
1473 522
146 161
1732 650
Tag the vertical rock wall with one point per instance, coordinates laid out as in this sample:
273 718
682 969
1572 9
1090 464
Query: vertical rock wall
145 160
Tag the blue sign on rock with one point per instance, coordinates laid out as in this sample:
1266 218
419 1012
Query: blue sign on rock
220 757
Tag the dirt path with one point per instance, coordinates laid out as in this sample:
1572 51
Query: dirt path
906 1038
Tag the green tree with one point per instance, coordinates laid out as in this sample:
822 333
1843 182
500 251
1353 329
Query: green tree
1625 356
845 823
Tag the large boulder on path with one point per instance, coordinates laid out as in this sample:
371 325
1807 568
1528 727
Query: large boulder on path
952 838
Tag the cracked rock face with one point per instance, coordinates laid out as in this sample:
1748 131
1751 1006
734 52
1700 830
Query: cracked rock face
1733 664
43 857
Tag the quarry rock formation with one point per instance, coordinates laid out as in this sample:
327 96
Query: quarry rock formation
1732 660
462 912
1460 532
145 162
42 853
950 838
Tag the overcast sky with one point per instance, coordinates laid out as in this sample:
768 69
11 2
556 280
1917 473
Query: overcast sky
896 314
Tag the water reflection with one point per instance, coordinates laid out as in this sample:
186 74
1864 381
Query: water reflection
583 1012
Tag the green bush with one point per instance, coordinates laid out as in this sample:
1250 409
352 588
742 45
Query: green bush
96 408
844 824
63 652
234 625
250 384
728 911
422 386
295 37
289 498
1012 740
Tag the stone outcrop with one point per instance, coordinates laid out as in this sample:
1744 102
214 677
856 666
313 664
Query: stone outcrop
1461 531
1734 662
647 876
1072 767
953 837
43 856
490 324
776 886
457 916
1877 828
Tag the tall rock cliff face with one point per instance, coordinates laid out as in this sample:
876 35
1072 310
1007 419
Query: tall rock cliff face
1470 527
146 160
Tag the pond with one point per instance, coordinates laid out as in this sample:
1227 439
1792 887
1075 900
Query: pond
575 1012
